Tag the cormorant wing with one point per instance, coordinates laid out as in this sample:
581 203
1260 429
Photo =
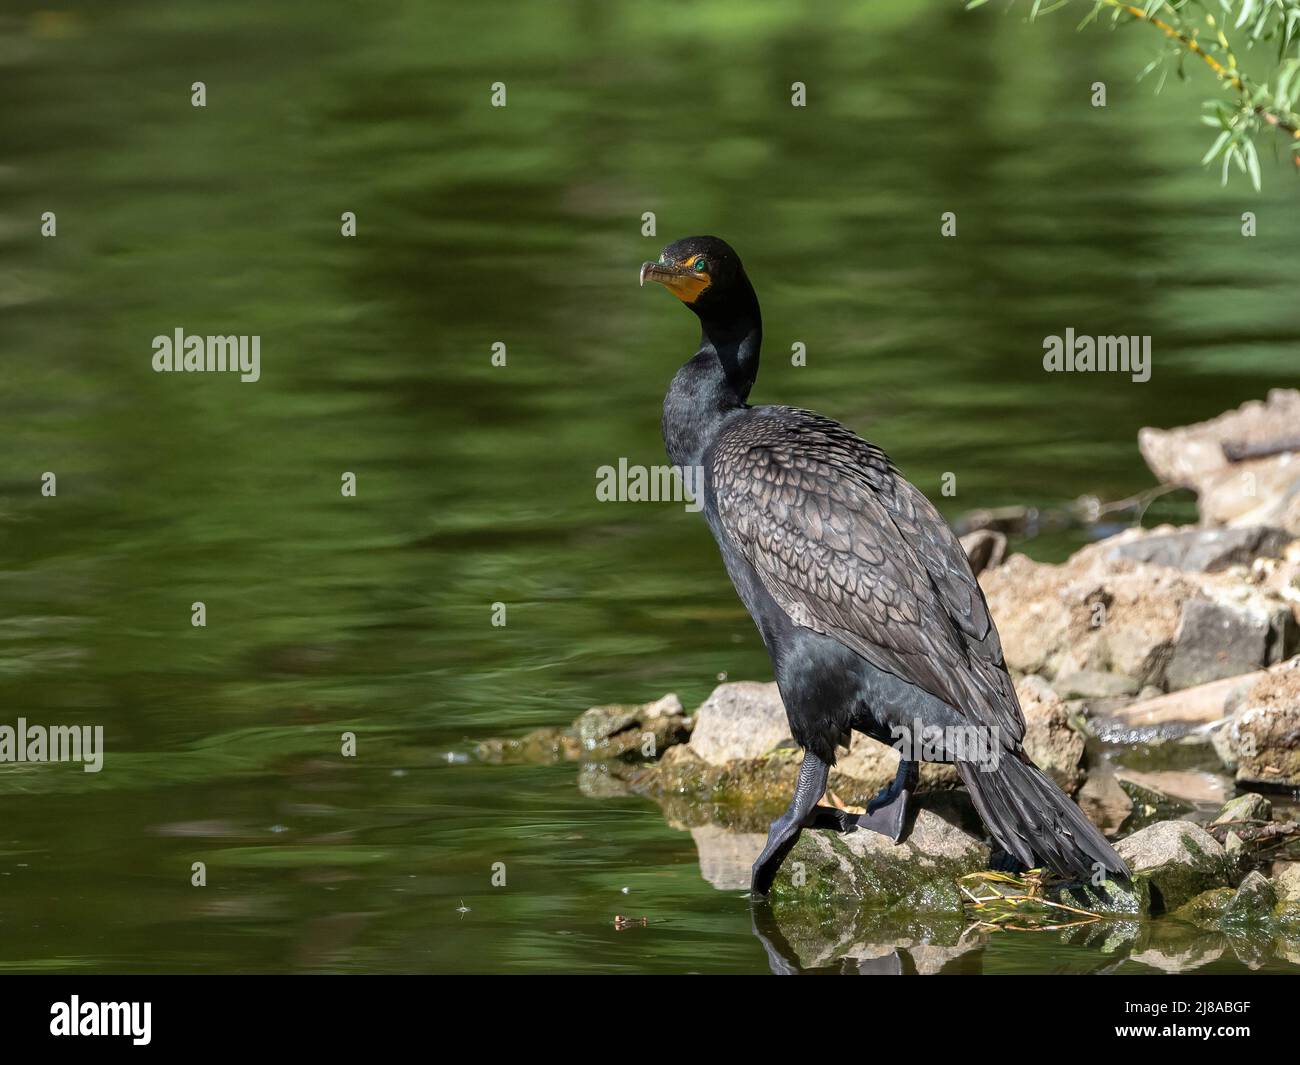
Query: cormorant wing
848 548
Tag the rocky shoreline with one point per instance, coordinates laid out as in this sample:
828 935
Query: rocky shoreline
1140 660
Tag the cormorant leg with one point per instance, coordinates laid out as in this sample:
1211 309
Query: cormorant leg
887 812
785 829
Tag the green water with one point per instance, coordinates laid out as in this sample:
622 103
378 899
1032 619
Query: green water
518 225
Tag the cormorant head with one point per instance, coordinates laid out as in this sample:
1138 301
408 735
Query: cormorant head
706 275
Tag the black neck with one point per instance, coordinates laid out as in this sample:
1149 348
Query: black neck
716 382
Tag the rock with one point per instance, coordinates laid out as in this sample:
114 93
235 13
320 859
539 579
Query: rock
918 875
741 720
1177 859
1198 705
1263 491
1051 743
1150 805
631 732
747 794
1248 807
1199 549
540 745
869 766
1104 801
1252 904
1206 909
1108 897
1094 684
1261 740
740 795
644 731
1152 625
985 549
1190 786
1287 883
1217 640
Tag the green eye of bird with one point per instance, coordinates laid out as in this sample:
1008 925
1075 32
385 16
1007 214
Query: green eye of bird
700 264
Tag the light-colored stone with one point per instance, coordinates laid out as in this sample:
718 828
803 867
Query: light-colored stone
740 720
1261 740
1287 882
1263 491
1152 625
1249 807
1178 859
1050 742
1191 785
1199 705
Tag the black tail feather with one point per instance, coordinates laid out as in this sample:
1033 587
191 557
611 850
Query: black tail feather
1034 820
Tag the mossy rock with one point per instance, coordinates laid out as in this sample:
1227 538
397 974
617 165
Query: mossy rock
1251 905
682 780
1206 909
1286 919
1119 897
918 875
1177 860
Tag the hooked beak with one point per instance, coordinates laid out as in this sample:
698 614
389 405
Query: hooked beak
685 284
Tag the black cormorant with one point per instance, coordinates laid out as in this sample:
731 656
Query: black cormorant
862 594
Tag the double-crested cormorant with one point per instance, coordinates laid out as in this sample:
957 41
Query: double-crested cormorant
862 594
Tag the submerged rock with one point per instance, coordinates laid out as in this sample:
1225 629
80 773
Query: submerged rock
540 745
1177 859
1106 803
918 875
1150 805
1181 788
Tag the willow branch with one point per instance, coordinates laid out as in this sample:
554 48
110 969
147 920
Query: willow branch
1222 72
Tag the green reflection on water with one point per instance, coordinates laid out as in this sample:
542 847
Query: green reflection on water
519 225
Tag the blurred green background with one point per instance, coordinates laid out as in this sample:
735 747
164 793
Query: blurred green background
475 483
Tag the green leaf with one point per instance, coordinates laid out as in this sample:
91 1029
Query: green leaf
1216 147
1252 163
